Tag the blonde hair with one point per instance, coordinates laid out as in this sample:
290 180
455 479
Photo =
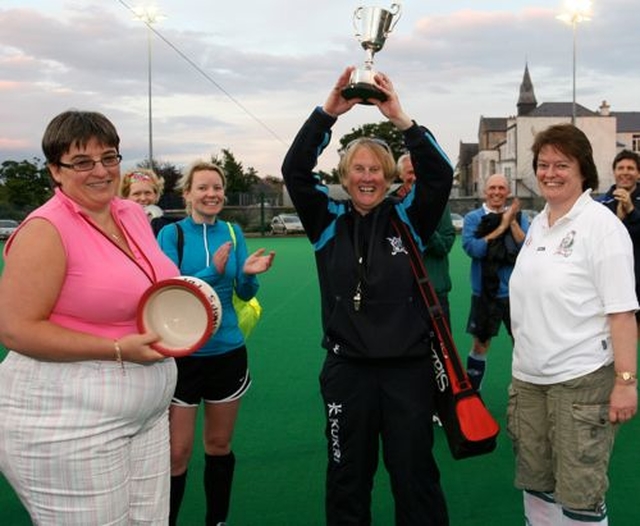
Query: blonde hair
141 175
186 179
378 148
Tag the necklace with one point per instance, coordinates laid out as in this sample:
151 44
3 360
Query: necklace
115 237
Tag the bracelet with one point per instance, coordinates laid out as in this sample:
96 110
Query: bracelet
626 376
116 346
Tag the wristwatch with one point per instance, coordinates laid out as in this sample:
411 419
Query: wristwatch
626 376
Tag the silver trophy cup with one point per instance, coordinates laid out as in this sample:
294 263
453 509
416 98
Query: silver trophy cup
372 26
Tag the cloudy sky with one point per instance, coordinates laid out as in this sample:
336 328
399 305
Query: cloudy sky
244 74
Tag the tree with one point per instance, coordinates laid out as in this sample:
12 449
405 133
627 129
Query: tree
329 178
383 130
170 173
171 198
26 184
238 180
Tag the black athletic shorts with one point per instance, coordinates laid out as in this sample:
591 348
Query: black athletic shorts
214 379
485 317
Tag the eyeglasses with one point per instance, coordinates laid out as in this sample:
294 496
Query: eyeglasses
86 165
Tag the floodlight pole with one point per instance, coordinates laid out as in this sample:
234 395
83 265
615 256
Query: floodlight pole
149 60
577 11
149 15
573 101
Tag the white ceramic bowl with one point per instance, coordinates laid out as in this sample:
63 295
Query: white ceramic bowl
184 311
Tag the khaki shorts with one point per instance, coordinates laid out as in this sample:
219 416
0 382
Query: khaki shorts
562 437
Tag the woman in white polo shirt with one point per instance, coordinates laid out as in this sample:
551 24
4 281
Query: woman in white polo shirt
574 361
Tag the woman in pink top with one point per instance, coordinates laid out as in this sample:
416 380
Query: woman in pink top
84 427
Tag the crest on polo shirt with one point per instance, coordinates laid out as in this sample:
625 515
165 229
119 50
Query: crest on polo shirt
565 248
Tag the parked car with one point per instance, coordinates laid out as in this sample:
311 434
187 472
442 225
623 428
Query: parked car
7 227
286 224
457 221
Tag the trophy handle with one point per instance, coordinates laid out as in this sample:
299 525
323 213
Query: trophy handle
396 11
357 15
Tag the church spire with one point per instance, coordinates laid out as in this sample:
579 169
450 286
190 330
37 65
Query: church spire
527 101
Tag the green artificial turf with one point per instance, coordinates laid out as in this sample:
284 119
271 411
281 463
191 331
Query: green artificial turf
279 442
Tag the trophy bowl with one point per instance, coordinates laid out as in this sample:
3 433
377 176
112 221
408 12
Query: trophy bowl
362 86
372 26
184 312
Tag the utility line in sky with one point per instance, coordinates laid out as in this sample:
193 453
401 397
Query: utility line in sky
203 73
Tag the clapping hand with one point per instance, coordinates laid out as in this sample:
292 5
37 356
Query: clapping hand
510 213
221 256
625 205
258 262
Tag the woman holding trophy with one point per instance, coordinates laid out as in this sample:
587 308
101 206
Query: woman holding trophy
377 381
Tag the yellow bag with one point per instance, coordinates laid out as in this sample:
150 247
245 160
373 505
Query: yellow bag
248 312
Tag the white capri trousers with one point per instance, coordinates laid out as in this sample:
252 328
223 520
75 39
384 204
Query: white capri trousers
82 444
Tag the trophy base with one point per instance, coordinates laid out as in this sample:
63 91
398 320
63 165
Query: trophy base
364 91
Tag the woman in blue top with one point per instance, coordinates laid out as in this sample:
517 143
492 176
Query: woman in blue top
217 373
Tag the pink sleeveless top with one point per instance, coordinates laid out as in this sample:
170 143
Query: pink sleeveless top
103 285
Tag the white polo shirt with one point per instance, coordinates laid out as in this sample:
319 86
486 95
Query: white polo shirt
566 280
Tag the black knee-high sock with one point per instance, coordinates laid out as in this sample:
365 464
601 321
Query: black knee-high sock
218 476
175 499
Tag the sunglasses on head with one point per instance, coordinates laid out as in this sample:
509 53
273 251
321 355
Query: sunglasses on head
365 140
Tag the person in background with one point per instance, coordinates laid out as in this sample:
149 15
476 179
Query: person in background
438 246
574 358
491 237
623 199
142 186
145 187
377 380
217 373
84 432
